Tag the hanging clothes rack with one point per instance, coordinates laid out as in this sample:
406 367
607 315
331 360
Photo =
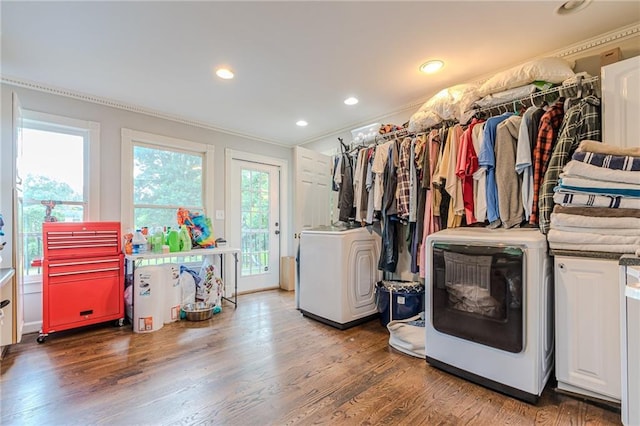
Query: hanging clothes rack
511 105
395 134
543 94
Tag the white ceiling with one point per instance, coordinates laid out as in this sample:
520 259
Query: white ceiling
293 60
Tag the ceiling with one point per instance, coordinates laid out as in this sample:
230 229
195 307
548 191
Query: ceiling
292 60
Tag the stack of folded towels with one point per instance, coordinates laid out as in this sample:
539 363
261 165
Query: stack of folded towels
598 200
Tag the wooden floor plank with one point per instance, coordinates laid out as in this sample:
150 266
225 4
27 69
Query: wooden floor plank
260 364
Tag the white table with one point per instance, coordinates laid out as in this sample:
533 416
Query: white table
220 251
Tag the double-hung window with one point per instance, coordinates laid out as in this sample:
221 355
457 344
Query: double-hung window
160 175
60 172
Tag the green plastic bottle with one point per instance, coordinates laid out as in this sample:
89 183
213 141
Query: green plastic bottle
185 239
173 240
158 240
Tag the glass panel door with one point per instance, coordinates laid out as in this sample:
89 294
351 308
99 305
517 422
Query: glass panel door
255 223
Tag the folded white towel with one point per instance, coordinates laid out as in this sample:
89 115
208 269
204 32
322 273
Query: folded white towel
588 171
606 248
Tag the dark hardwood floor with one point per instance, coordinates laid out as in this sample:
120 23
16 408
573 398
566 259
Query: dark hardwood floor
260 364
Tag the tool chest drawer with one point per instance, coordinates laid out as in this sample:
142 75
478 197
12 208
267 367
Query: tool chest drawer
61 271
83 301
64 240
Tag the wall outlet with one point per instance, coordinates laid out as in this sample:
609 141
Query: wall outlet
219 214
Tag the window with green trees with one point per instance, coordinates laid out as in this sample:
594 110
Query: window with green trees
161 174
164 180
54 162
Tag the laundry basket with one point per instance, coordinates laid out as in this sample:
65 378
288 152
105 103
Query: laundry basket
398 300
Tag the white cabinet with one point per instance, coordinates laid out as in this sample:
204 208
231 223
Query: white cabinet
587 309
7 279
630 339
621 102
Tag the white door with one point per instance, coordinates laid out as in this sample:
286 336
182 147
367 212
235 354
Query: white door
621 103
254 223
312 189
312 192
17 231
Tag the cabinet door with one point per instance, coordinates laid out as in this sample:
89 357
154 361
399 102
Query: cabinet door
621 102
587 309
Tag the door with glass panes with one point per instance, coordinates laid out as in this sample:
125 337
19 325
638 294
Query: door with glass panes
255 223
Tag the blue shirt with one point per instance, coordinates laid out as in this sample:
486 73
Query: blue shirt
487 159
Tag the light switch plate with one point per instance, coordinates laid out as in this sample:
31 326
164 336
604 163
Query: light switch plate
220 214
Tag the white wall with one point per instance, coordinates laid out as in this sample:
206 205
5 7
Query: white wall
111 121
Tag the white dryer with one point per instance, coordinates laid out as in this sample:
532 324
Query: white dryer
338 272
489 308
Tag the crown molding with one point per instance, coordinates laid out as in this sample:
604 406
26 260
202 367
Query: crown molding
619 34
40 87
573 51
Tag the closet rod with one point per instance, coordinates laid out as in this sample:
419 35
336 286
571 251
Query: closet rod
507 104
395 134
542 93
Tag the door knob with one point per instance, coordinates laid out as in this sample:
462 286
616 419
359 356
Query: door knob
277 232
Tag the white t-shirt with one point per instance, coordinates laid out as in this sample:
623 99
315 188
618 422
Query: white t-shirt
380 158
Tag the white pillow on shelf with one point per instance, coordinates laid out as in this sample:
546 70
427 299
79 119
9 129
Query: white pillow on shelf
422 120
449 102
552 70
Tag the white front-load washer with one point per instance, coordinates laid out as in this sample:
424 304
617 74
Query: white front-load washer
338 273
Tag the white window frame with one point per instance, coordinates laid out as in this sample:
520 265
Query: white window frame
90 131
132 137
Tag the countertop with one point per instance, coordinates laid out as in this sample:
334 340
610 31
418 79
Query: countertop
623 259
5 275
629 260
592 254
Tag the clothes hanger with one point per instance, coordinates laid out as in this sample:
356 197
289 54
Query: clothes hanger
572 100
343 146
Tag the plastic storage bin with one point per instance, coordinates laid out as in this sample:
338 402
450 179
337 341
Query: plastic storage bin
148 298
399 300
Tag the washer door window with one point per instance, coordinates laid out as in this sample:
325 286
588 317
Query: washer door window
477 294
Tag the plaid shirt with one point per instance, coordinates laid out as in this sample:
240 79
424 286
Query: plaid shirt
582 122
403 190
547 135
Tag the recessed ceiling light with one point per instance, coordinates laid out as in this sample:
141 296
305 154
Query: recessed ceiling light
224 73
301 123
430 67
572 6
351 101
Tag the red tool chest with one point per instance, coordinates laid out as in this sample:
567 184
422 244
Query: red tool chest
83 275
